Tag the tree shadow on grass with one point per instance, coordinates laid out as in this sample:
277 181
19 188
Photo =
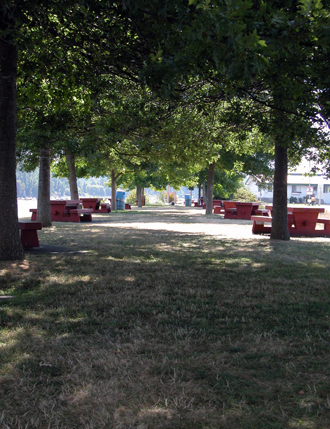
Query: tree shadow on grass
166 329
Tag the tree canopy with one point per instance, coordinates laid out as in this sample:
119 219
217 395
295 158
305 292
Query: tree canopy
270 56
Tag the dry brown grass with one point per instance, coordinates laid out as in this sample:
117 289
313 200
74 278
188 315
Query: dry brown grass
139 325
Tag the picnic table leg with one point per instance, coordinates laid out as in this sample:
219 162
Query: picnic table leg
29 238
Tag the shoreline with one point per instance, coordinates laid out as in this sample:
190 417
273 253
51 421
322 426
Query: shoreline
24 205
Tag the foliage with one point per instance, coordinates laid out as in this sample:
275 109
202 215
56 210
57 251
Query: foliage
171 197
131 198
245 195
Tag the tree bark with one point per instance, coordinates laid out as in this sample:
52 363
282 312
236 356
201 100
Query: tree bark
204 193
70 162
10 241
43 215
139 196
210 183
113 190
280 228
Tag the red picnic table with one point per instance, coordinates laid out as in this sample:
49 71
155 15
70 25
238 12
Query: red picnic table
215 203
66 211
29 234
96 205
242 210
302 222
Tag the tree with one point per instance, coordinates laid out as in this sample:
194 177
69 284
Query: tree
43 214
272 53
11 246
54 38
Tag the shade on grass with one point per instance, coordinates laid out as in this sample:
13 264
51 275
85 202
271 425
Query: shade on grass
132 327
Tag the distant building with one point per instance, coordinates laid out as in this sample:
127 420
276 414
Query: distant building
300 186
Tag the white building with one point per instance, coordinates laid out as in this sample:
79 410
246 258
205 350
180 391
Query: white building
298 185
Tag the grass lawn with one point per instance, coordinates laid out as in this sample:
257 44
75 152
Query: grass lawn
165 319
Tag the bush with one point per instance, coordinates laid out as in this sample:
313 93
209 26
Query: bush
171 196
293 200
245 195
131 198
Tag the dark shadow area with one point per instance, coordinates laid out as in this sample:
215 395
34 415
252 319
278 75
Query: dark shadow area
120 327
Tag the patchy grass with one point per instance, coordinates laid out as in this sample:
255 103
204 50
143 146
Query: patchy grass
136 327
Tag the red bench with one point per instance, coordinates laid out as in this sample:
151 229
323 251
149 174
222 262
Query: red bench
261 212
80 215
96 205
325 222
34 214
230 210
259 226
29 235
219 210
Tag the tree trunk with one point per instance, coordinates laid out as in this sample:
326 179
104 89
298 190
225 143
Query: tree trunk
204 193
10 241
143 197
280 228
113 190
199 195
70 162
43 215
139 196
210 183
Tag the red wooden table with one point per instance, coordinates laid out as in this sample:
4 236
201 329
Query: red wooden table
60 209
66 211
302 222
69 211
305 220
240 210
244 210
91 203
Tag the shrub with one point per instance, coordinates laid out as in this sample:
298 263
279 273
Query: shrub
131 197
245 195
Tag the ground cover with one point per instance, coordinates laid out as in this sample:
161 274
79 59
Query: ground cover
165 319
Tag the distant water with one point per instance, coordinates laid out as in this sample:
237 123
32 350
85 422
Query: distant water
24 206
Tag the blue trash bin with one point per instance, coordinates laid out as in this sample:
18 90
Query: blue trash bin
187 200
120 200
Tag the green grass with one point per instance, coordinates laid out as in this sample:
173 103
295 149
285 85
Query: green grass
146 328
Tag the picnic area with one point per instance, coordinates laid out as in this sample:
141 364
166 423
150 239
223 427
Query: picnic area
165 318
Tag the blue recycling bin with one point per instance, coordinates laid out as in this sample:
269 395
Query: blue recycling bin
120 200
187 200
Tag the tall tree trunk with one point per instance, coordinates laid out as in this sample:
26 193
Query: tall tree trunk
143 197
139 196
113 190
204 193
210 183
43 215
199 195
10 241
70 162
280 228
